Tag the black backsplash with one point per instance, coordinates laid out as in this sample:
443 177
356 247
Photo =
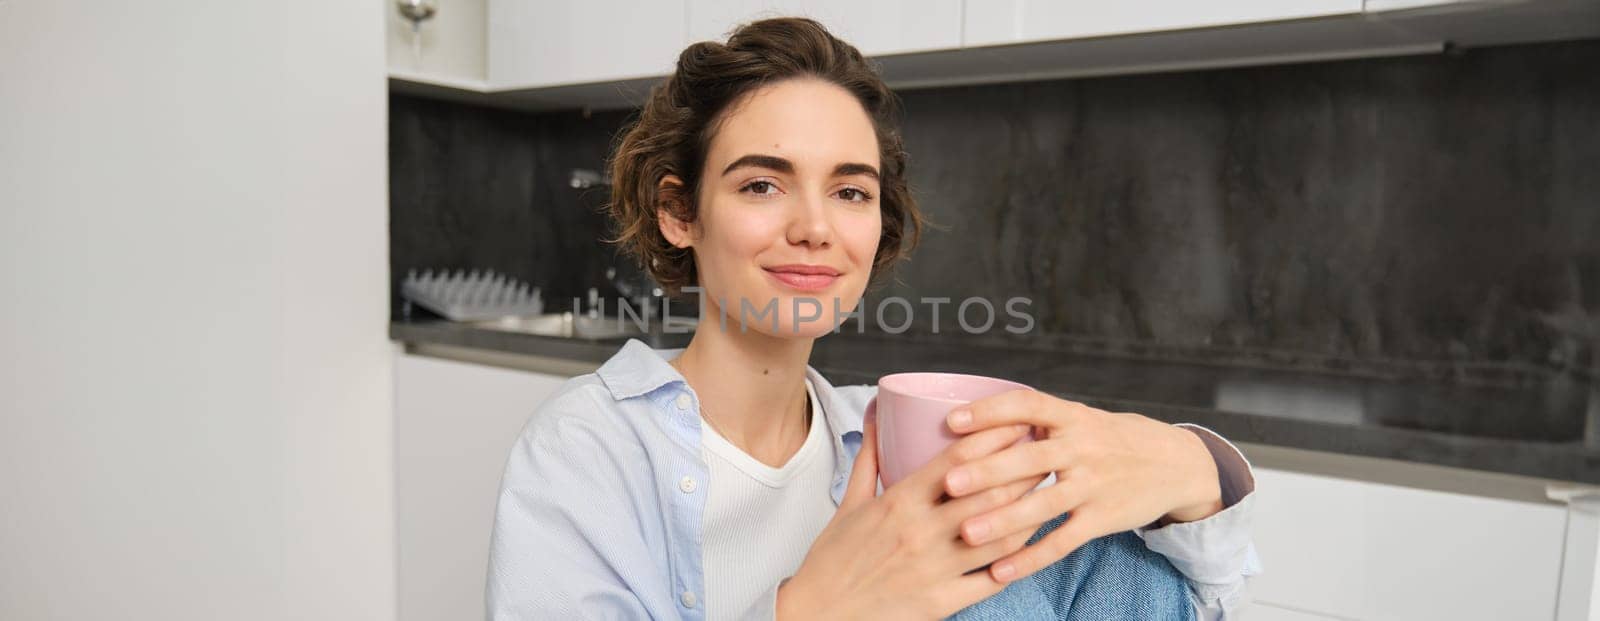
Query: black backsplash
1430 208
482 188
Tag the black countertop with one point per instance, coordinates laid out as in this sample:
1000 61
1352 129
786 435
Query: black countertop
1527 422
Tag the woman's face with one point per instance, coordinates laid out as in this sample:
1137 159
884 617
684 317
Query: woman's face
788 210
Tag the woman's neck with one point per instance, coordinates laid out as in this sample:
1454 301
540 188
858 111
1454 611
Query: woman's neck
751 387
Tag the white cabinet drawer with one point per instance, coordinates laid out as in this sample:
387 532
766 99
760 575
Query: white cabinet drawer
454 426
1362 550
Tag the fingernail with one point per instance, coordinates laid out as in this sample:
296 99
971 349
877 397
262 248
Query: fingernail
960 418
1004 571
976 531
956 481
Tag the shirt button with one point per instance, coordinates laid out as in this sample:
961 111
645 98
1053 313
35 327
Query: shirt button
688 599
686 485
683 402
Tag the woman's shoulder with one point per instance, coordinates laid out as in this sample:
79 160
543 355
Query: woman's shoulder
580 410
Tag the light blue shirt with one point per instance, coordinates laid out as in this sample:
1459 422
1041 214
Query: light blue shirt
601 505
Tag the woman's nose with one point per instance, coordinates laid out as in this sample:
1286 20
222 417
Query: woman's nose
809 224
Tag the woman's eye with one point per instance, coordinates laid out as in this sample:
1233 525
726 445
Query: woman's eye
854 195
762 188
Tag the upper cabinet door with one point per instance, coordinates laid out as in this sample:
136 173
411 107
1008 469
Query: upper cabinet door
449 48
1374 6
876 27
1018 21
536 43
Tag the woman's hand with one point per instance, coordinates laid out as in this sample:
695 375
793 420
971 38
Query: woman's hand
900 555
1114 472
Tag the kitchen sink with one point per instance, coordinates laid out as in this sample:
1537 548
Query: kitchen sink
581 327
566 325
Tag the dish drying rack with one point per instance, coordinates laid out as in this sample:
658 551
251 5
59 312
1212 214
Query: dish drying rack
471 296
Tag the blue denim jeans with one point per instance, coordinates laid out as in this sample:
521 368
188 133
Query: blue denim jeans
1113 577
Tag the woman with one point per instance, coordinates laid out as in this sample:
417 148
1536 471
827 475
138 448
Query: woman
730 480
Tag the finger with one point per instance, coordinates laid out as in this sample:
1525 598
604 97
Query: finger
1006 465
927 482
863 485
1009 408
975 557
958 511
965 591
1024 515
1072 534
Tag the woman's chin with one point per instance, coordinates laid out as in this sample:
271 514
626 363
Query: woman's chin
787 327
810 330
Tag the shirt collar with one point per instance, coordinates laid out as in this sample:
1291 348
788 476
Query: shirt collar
834 407
638 370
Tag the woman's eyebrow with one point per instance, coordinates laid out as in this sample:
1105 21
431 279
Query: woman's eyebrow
761 161
773 162
854 168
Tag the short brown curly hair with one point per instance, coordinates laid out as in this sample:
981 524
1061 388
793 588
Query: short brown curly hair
674 130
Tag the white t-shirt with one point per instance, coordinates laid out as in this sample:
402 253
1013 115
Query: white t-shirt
759 520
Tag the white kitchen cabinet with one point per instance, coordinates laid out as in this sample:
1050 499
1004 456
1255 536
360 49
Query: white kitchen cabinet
553 54
875 28
454 426
551 43
1375 6
449 48
1357 550
1022 21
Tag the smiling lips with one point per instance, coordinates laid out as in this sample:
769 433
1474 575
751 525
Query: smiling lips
804 277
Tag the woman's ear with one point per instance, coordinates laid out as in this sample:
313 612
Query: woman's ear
670 209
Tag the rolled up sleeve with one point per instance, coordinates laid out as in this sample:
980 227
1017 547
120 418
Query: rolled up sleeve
1215 554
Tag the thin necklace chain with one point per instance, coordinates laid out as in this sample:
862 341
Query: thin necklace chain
705 413
705 416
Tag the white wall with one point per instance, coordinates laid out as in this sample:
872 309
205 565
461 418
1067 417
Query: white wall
196 417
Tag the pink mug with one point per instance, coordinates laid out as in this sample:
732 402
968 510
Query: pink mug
911 410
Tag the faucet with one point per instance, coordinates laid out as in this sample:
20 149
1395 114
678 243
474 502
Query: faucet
640 291
583 178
